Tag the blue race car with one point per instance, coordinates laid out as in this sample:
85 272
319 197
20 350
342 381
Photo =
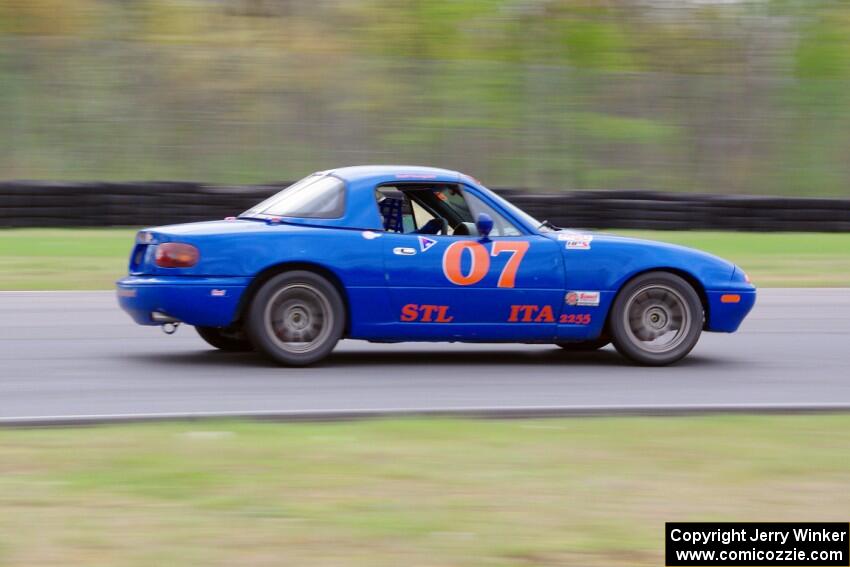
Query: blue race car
392 253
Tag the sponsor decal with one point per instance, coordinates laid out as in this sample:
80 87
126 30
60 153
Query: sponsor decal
370 235
413 312
126 292
402 251
572 235
579 243
415 176
218 292
582 298
576 241
426 243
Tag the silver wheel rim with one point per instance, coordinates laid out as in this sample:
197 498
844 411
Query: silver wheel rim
657 318
298 318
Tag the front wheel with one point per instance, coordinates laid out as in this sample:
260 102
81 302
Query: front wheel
656 319
296 318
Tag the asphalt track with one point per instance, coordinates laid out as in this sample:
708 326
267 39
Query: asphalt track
75 356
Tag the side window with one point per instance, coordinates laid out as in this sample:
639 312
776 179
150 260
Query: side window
501 226
453 200
414 209
420 215
436 209
395 209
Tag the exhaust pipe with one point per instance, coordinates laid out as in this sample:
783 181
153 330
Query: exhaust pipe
168 323
160 317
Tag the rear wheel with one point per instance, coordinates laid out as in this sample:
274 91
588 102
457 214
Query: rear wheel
225 338
296 318
656 319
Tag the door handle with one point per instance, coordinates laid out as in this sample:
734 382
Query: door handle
402 251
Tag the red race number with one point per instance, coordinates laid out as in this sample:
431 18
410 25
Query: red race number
453 257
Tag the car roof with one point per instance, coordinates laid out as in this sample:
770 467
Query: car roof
391 172
361 210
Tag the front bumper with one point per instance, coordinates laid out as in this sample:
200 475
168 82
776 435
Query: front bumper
204 301
728 308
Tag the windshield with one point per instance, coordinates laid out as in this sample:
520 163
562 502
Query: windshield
316 197
517 212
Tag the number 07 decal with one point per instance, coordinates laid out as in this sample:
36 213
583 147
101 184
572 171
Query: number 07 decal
481 261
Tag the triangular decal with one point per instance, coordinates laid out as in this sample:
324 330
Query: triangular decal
425 243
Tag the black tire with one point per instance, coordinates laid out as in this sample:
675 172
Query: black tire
311 318
226 338
656 319
585 346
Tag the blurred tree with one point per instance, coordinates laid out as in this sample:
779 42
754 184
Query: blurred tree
745 96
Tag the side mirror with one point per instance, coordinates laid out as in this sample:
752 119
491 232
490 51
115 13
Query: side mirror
484 224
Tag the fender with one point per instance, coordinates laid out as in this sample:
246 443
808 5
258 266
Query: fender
609 261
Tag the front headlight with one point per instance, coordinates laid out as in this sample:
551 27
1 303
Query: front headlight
739 275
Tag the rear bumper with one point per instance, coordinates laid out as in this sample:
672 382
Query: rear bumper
728 308
202 301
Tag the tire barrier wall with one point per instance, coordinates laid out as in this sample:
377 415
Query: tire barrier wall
54 204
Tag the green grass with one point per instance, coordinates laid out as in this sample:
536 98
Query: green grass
95 258
407 492
772 259
42 258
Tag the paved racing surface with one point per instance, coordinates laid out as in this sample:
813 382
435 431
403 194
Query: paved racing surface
78 354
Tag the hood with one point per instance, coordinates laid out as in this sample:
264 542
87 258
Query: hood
665 247
615 259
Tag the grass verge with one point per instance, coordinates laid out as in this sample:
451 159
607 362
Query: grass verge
782 259
94 258
60 258
407 492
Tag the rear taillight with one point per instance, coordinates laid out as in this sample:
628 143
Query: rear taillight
176 255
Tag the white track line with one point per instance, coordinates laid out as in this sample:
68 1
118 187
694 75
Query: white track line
470 412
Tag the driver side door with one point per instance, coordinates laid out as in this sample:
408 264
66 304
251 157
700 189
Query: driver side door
453 284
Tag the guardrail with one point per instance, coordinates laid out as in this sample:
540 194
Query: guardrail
55 204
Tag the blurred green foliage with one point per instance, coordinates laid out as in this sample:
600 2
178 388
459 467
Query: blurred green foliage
728 97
